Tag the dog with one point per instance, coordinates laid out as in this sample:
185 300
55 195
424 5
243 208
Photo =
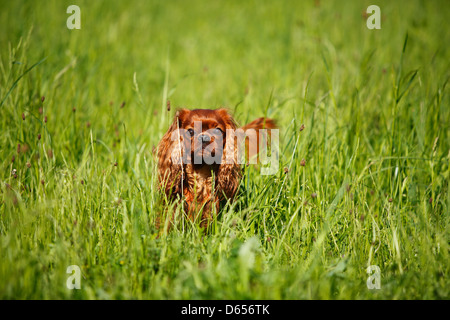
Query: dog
198 160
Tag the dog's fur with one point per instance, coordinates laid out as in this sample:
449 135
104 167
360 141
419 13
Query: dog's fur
202 185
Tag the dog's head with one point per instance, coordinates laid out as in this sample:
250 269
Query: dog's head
199 137
203 133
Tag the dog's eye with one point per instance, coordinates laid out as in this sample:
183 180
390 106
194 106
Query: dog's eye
191 132
218 131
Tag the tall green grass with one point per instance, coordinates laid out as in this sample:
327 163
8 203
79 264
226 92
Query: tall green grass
366 182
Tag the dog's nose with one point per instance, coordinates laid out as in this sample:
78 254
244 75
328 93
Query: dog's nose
204 138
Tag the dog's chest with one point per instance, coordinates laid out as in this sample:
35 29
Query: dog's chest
199 182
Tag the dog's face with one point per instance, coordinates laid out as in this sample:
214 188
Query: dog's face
204 134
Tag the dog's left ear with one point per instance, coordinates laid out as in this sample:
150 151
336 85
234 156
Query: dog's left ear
227 118
229 174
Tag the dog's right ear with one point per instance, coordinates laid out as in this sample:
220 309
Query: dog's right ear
170 156
182 113
179 118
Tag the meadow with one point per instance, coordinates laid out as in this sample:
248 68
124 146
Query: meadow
363 176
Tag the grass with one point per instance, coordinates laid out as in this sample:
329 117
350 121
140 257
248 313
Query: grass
367 180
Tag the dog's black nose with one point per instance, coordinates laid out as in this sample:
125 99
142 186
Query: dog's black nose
204 138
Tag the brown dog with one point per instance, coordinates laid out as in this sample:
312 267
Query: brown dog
198 160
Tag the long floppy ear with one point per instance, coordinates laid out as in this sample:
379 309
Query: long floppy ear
230 173
170 157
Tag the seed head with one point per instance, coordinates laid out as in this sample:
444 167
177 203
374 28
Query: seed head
42 99
23 116
364 15
39 136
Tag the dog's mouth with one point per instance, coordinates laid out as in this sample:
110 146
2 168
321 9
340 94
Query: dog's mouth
207 154
204 151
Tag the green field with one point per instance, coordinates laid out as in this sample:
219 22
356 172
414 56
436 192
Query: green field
81 112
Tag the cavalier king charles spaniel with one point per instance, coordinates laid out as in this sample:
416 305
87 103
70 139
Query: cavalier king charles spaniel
199 160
